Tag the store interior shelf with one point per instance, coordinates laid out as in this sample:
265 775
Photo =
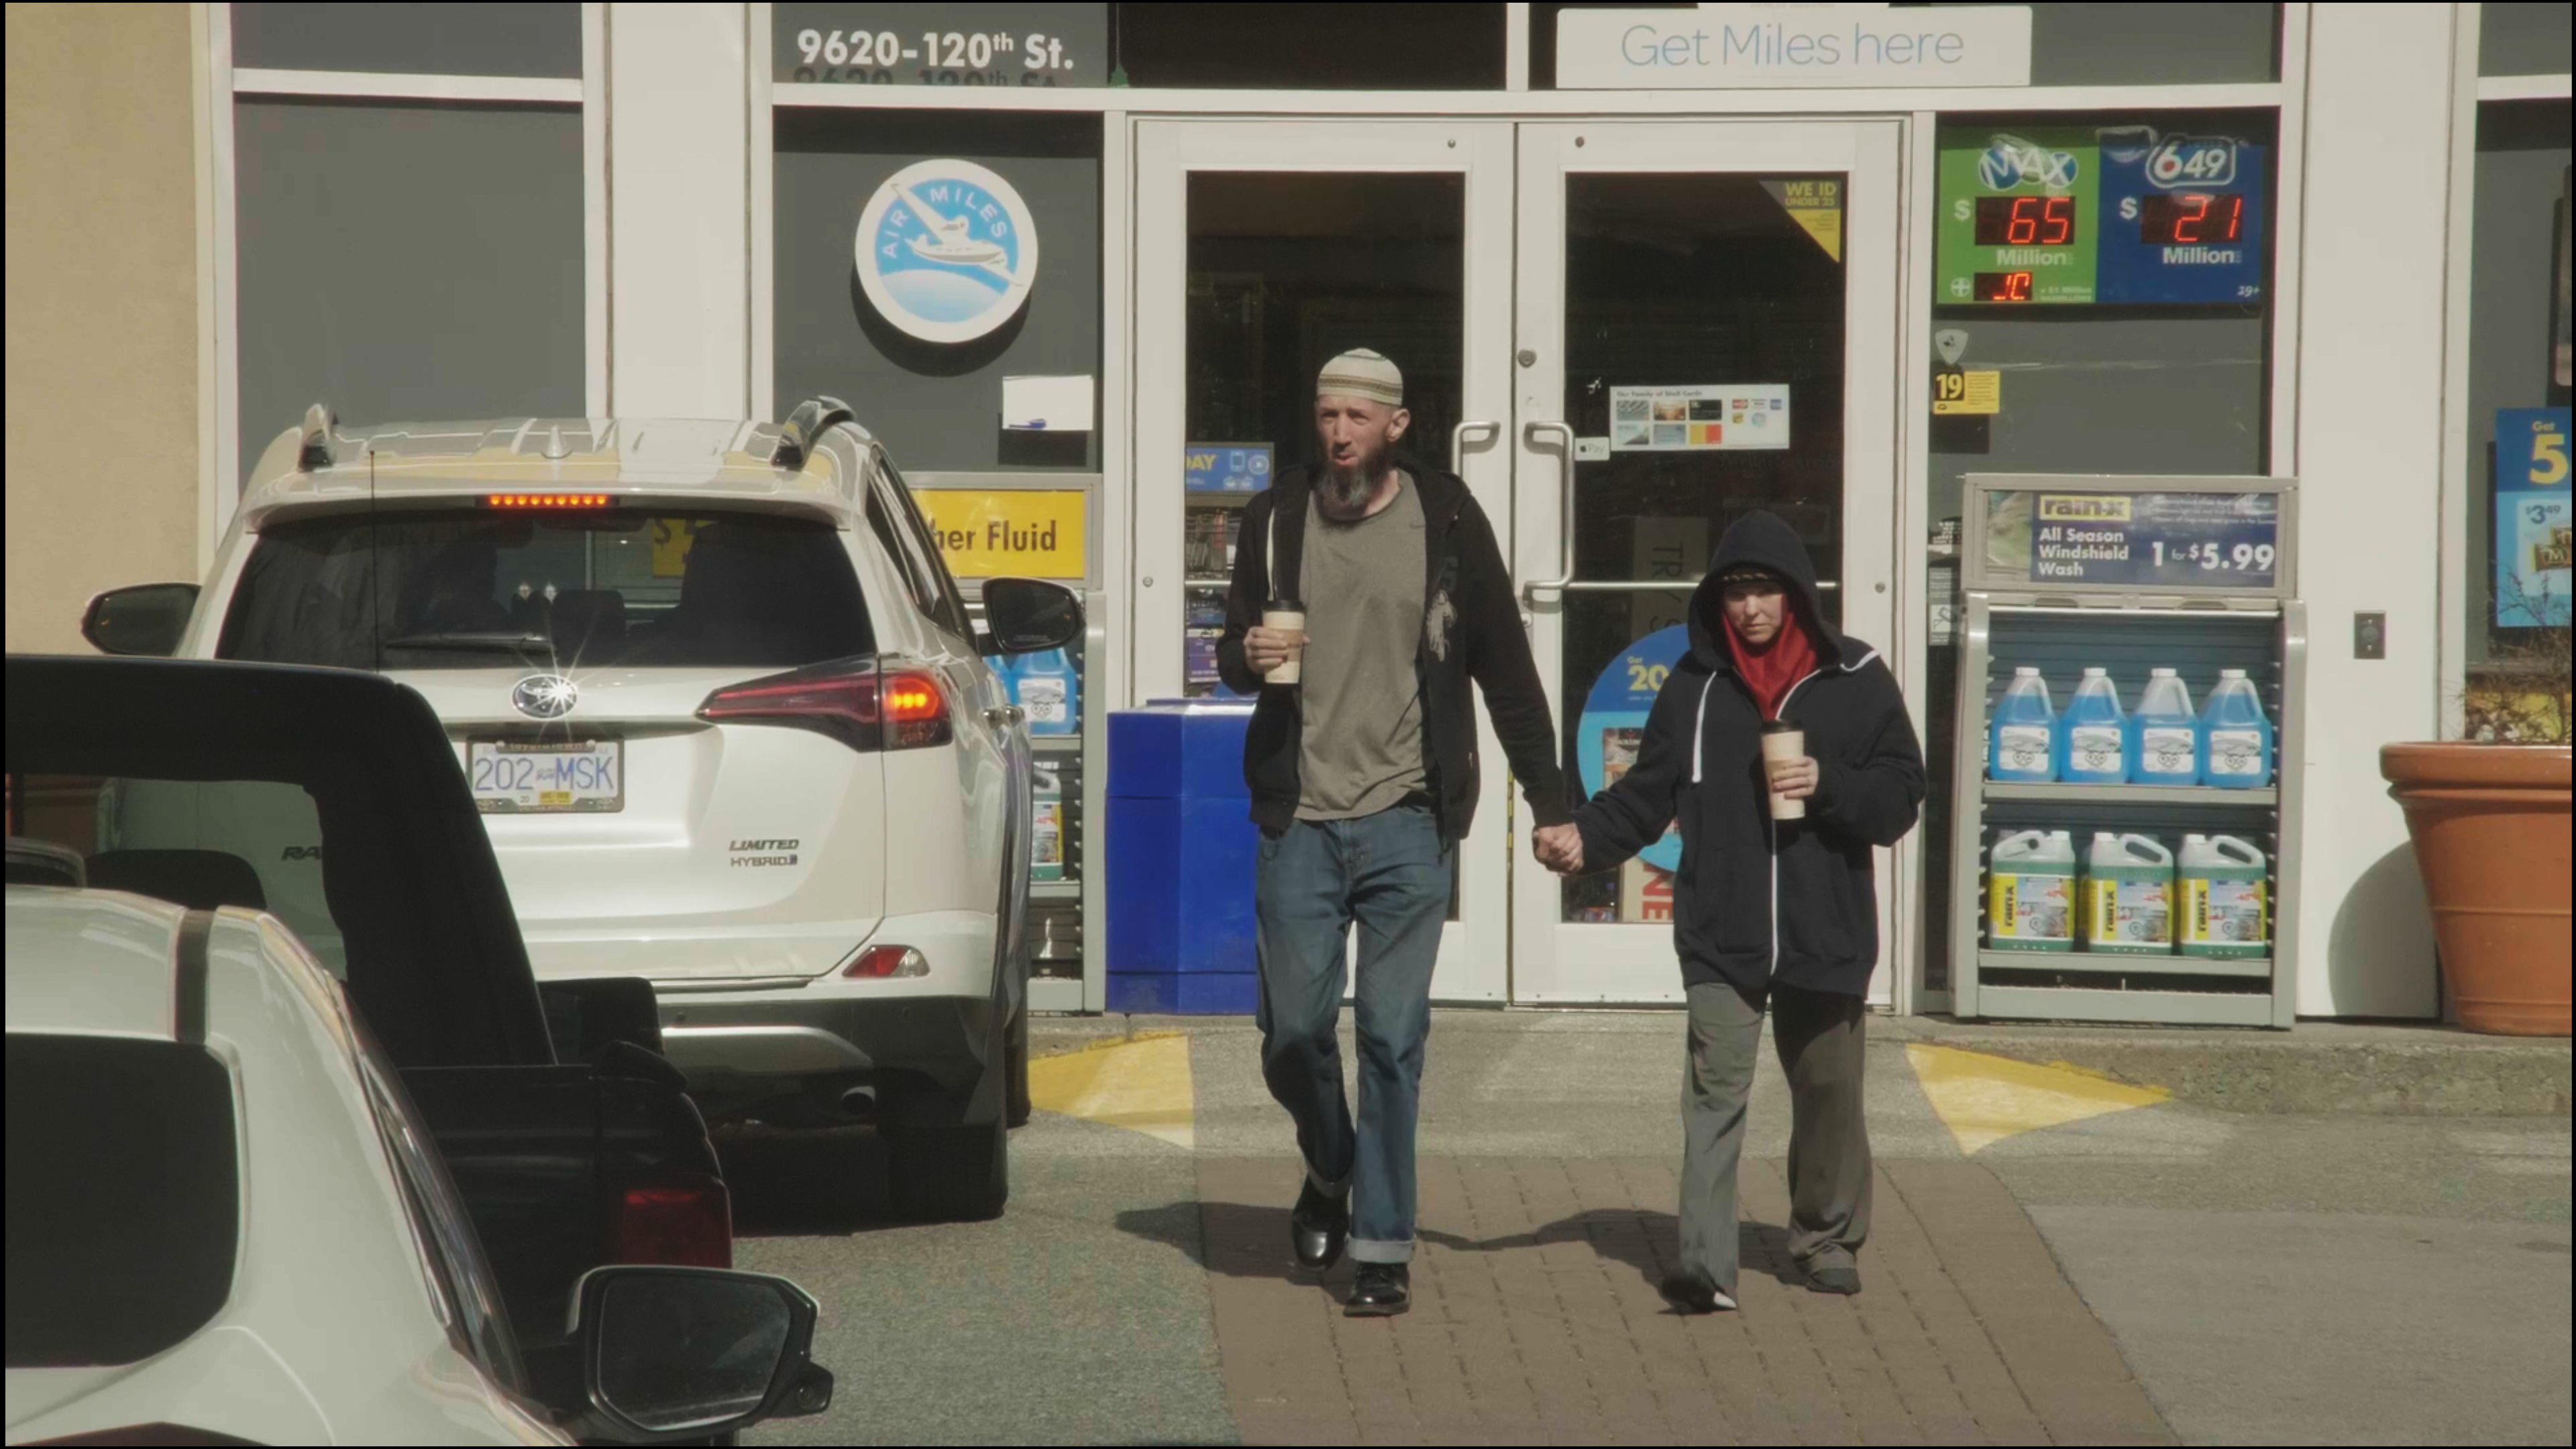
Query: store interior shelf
1055 890
1056 744
2248 966
2265 797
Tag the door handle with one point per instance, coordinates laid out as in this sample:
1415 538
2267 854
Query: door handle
1458 443
1003 716
1564 510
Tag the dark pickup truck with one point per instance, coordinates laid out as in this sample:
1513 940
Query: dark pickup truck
573 1143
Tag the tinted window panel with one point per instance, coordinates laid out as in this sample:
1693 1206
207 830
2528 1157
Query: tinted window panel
124 1198
478 591
454 39
408 259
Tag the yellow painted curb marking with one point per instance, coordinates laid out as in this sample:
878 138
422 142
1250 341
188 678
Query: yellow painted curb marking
1983 1099
1142 1085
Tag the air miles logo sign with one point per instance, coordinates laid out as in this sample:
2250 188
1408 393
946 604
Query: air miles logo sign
945 251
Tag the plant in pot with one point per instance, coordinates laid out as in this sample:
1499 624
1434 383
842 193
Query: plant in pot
2489 817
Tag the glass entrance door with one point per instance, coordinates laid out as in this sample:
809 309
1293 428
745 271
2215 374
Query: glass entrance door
1264 248
1622 336
1706 326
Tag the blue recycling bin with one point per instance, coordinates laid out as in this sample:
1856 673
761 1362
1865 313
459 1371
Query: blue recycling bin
1180 853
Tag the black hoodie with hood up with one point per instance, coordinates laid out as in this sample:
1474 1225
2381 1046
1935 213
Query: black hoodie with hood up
1754 902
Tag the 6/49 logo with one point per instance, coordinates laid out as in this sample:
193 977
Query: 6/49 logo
2192 161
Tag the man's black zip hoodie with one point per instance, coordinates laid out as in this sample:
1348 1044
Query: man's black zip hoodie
1471 629
1756 902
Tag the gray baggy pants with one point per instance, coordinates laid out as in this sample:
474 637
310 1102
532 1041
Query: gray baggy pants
1819 1036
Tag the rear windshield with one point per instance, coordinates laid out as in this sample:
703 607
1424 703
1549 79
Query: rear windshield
123 1197
451 591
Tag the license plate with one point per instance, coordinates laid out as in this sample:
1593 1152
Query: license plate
515 777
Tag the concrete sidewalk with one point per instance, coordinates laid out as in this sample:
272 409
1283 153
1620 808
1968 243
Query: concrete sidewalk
2317 1068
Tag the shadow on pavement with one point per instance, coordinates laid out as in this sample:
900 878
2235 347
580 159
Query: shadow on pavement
1246 1241
796 1182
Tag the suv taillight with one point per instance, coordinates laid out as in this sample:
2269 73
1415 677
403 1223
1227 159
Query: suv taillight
862 704
687 1223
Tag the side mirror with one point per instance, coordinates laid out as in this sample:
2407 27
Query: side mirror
672 1353
139 619
1025 616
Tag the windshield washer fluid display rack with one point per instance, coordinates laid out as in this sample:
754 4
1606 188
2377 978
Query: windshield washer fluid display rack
2066 572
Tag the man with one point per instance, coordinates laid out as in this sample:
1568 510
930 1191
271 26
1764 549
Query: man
1363 779
1767 913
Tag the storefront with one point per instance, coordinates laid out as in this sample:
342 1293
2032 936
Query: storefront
1644 271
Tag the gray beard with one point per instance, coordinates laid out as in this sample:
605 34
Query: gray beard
1345 493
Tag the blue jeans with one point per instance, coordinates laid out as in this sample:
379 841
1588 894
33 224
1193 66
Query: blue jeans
1390 872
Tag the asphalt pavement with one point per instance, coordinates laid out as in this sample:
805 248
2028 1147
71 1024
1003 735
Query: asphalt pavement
2056 1258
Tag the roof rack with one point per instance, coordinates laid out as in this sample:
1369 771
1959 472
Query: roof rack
316 449
796 436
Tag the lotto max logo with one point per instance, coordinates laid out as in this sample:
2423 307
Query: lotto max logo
2191 161
2011 161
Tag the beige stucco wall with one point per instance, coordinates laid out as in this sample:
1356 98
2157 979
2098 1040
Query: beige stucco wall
102 322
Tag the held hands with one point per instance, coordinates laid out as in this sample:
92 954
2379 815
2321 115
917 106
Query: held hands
1794 779
1559 848
1267 649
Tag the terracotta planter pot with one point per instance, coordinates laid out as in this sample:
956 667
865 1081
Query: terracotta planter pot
2490 828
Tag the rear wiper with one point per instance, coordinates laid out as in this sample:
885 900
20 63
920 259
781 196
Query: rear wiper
469 642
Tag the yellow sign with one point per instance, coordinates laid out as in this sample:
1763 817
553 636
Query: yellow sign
1816 205
987 533
671 540
1967 392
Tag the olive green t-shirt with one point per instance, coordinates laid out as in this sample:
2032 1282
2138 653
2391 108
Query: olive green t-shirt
1362 583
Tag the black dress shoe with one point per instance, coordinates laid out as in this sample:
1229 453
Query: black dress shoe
1318 1227
1379 1290
1693 1294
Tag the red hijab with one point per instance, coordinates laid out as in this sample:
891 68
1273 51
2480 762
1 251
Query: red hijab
1773 669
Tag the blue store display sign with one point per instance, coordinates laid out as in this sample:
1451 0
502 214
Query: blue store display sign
1613 727
1225 467
2532 517
2182 218
2227 541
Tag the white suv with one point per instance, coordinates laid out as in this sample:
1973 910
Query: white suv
730 723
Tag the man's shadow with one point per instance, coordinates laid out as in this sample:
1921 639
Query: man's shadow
1244 1241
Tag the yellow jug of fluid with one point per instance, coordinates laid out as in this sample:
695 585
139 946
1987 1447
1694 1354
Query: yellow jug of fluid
2030 892
2223 907
2128 896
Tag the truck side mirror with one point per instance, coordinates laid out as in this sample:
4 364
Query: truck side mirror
146 619
671 1353
1026 616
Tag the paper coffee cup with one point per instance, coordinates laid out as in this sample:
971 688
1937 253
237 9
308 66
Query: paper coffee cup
1783 742
1286 616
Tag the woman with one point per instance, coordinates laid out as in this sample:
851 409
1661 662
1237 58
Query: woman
1768 915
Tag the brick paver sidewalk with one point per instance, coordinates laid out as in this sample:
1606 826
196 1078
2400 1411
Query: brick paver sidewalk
1536 1320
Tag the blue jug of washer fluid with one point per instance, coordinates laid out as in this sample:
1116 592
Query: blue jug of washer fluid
2236 738
1044 685
2093 734
2021 740
2164 735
